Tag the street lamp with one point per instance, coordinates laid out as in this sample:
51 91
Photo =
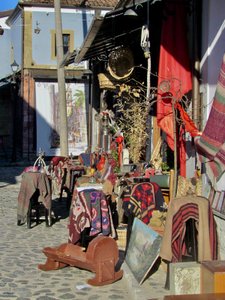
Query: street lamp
37 29
15 68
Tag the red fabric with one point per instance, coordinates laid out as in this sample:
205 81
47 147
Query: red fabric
188 123
182 152
101 163
174 62
119 140
56 159
165 117
190 127
173 67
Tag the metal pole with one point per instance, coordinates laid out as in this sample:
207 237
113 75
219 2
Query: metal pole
14 106
61 81
90 81
196 67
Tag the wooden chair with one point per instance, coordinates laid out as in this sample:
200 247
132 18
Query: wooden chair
34 198
36 210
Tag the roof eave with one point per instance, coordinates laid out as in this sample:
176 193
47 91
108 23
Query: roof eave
94 29
14 15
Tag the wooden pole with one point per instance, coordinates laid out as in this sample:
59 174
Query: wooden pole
175 150
61 81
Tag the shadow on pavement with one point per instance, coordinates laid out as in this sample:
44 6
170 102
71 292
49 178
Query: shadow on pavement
10 175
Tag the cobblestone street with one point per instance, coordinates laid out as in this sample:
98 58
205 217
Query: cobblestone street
21 252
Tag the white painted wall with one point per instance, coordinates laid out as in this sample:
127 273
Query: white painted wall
77 21
10 45
213 48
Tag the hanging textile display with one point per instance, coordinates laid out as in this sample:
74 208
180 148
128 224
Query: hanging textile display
188 123
174 76
165 113
211 145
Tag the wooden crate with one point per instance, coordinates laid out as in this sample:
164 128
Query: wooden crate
213 276
185 278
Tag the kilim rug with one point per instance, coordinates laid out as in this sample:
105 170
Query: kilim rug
211 145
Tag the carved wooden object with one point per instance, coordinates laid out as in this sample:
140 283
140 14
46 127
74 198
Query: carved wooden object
100 257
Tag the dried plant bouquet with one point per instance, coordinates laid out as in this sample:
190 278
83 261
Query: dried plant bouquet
133 108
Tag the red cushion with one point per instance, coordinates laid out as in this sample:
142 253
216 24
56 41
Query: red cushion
56 159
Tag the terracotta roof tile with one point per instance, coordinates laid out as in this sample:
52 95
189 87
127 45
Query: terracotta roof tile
5 13
74 3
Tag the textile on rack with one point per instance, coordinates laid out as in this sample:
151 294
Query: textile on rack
57 172
211 145
86 159
31 181
141 199
89 209
179 211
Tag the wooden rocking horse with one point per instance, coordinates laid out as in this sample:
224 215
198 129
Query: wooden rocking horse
100 257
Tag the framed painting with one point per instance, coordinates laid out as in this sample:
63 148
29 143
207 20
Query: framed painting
143 250
48 121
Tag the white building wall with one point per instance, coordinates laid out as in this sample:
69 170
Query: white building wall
5 41
74 20
10 45
213 49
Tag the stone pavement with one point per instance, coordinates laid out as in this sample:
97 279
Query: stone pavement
21 252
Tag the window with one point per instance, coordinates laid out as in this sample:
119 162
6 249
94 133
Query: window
68 42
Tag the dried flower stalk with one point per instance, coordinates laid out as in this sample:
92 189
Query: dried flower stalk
134 109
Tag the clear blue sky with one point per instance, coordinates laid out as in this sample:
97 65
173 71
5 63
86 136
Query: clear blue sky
7 4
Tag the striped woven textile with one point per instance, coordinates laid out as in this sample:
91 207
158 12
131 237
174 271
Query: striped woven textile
211 145
186 212
180 210
190 210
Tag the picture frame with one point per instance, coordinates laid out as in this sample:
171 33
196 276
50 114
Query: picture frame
143 250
